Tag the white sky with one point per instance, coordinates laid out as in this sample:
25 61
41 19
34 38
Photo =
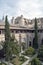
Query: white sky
27 8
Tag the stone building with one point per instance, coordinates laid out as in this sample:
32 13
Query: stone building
23 29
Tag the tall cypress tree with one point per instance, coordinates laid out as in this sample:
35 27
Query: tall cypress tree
35 43
7 49
10 47
7 30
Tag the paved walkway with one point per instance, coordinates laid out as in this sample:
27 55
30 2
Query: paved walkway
29 59
8 63
25 63
41 62
21 53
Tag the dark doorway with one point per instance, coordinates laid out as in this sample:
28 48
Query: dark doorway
29 43
42 42
33 42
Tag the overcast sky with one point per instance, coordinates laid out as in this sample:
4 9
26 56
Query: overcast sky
27 8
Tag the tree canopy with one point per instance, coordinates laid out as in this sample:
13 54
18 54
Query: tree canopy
35 45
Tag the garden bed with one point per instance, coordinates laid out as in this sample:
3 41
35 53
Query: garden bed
3 63
18 60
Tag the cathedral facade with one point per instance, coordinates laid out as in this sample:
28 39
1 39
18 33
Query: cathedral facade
23 30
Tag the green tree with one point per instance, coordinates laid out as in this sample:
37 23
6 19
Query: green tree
35 62
23 45
40 53
14 45
7 30
10 45
35 45
7 48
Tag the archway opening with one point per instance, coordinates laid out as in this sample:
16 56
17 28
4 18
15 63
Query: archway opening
34 43
29 43
42 42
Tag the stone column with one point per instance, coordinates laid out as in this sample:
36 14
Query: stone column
20 40
27 40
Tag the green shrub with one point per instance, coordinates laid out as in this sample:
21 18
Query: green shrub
21 58
30 51
35 61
